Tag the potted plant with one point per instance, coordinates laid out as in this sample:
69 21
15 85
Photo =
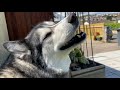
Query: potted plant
82 67
97 36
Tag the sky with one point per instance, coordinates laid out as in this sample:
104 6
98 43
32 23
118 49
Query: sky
102 12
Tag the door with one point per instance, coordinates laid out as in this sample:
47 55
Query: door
19 24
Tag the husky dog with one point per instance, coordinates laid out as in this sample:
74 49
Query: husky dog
44 52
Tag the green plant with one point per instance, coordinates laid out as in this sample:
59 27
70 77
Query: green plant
77 56
113 25
109 18
97 36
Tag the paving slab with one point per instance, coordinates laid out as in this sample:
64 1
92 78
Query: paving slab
111 60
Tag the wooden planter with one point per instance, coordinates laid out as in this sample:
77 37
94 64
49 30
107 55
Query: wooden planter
97 71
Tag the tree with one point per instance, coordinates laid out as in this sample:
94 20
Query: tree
109 18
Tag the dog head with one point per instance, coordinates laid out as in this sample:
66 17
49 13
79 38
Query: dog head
64 34
50 44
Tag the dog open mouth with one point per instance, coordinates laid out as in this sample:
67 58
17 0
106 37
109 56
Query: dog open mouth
78 38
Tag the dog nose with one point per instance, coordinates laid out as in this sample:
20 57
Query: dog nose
72 18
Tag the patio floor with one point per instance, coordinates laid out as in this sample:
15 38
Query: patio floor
111 60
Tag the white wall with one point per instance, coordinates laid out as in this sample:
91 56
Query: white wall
3 37
3 28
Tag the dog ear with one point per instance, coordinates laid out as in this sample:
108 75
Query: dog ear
15 46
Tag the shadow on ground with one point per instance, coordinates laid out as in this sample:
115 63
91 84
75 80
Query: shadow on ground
111 72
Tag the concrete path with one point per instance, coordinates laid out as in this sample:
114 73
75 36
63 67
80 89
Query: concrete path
112 62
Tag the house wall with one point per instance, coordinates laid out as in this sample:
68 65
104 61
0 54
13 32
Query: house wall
3 37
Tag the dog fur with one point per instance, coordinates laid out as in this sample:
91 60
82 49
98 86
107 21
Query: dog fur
44 53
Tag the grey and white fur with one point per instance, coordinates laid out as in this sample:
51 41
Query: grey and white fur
44 52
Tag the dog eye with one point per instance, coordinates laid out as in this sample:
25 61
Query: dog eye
47 35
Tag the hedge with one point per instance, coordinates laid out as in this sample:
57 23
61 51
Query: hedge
113 26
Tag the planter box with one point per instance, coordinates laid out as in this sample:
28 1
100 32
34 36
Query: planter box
97 71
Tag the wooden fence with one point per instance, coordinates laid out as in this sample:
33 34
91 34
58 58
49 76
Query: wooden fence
98 27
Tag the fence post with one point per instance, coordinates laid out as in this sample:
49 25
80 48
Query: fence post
105 35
